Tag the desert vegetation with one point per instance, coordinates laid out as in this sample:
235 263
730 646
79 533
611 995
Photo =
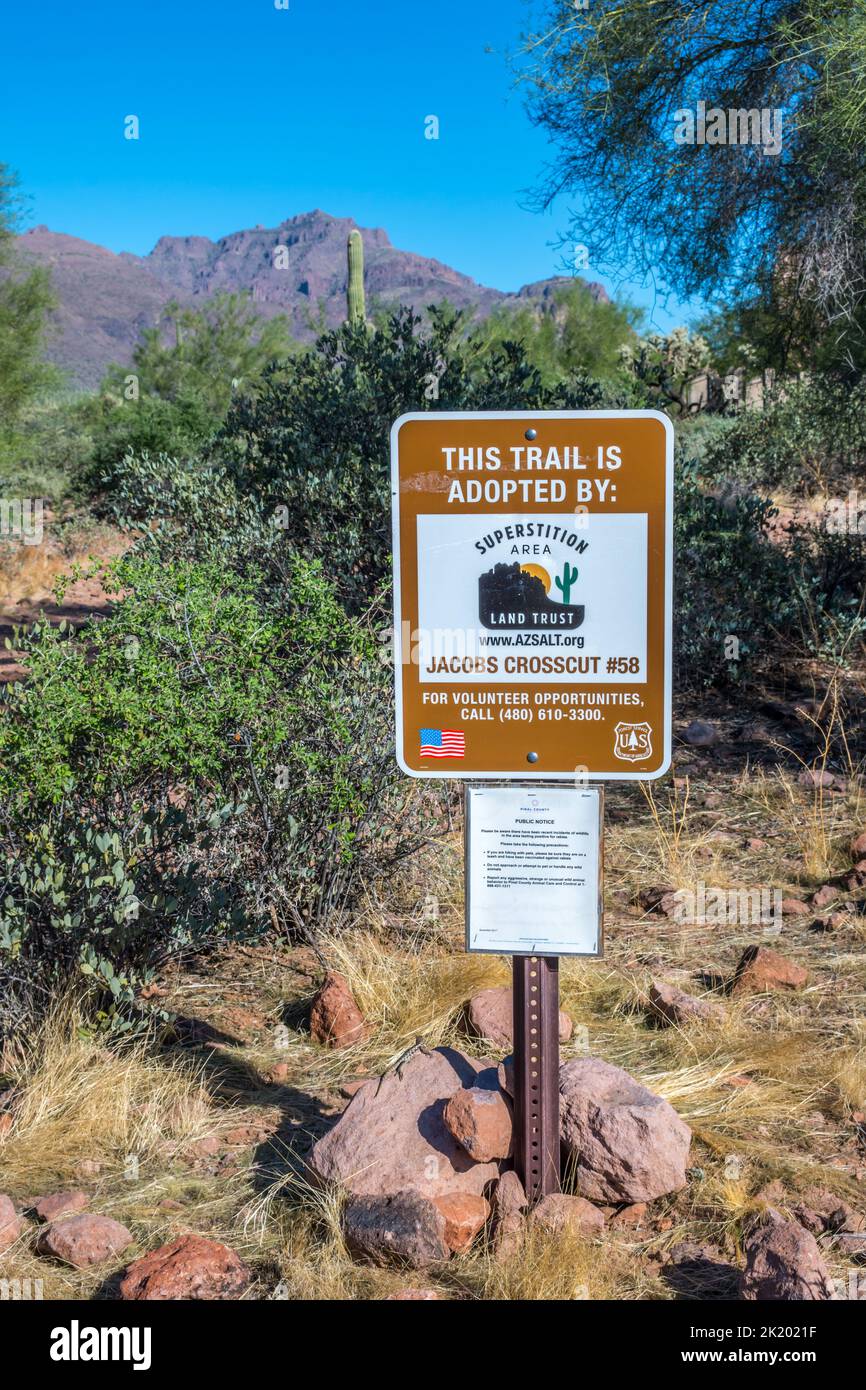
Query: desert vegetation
203 830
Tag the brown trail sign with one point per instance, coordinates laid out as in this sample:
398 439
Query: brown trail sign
532 620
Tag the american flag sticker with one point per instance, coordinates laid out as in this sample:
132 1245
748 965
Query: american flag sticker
442 743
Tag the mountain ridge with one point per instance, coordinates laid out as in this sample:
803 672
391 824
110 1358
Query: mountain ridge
297 268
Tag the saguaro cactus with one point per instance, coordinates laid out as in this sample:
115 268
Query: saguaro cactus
357 309
569 574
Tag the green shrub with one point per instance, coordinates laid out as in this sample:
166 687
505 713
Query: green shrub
732 591
312 446
744 600
98 896
259 711
150 425
810 437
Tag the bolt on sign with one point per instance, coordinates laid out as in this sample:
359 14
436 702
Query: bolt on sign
532 593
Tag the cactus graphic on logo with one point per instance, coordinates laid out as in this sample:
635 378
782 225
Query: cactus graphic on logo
569 574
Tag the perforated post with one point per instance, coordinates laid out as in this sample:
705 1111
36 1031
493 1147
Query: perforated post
536 1074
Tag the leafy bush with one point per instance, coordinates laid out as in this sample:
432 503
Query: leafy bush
313 445
811 436
100 898
150 425
571 333
732 594
828 572
742 599
217 749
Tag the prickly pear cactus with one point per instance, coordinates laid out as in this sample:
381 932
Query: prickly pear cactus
569 574
357 309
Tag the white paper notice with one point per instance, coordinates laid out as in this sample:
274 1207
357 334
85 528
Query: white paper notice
533 870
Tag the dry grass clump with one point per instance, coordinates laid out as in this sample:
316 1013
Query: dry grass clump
550 1266
80 1099
405 990
850 1077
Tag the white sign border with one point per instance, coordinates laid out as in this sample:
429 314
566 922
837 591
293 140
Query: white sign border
540 776
598 954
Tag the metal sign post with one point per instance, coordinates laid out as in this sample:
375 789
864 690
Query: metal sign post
532 626
536 1074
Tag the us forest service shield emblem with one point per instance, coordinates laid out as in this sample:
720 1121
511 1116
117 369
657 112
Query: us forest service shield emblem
633 742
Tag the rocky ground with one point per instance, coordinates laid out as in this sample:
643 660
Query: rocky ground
28 574
713 1078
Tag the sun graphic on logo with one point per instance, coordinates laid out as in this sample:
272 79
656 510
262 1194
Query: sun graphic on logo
538 572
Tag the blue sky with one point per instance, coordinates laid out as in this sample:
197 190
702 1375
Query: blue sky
250 114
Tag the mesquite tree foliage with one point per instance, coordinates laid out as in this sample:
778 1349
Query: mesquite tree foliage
767 201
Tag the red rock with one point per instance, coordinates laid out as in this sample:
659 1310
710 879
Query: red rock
481 1122
11 1225
190 1267
756 844
814 777
7 1120
60 1204
83 1240
392 1137
278 1073
559 1211
490 1016
465 1215
761 969
203 1148
351 1088
825 895
852 1246
505 1075
783 1263
507 1211
405 1229
415 1294
630 1218
627 1144
833 921
659 899
858 848
672 1005
794 907
246 1134
335 1019
832 1212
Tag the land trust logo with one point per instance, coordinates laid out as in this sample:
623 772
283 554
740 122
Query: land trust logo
517 597
533 592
